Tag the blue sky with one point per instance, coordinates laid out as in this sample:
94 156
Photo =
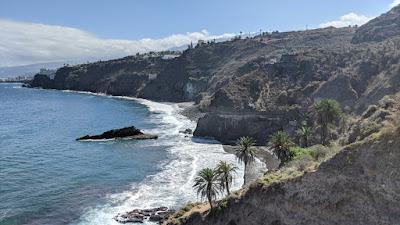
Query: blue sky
133 19
56 30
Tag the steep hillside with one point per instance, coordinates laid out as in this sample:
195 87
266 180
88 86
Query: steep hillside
380 28
257 85
358 186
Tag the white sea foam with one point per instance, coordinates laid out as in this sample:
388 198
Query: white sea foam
172 186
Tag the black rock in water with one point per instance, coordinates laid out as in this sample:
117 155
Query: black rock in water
140 215
126 132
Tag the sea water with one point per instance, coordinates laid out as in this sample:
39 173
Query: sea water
48 178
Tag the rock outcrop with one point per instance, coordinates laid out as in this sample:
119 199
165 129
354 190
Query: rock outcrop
126 132
141 215
41 80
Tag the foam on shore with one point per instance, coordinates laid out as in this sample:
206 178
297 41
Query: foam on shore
172 187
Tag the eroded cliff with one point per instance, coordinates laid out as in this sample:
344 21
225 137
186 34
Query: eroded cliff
360 185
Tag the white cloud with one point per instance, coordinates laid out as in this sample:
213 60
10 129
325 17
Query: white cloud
395 3
350 19
25 43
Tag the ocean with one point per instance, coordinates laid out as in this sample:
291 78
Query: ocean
48 178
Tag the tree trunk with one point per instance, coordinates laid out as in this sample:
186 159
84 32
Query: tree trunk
210 201
324 131
244 174
227 187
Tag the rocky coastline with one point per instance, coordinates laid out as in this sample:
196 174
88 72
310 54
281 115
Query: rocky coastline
268 83
251 86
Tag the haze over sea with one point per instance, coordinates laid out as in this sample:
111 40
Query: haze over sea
48 178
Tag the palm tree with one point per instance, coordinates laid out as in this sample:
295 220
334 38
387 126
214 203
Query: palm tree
280 142
305 133
225 171
246 153
207 184
328 110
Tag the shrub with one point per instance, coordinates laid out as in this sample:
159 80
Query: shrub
298 152
321 152
305 162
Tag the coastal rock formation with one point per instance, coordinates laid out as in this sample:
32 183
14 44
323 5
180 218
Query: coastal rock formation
42 81
126 132
272 78
141 215
360 185
216 125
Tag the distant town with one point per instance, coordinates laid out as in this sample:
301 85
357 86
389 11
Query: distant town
24 78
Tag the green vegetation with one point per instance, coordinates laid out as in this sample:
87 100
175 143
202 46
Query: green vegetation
298 152
302 160
305 132
185 209
211 182
178 216
279 176
328 111
295 160
281 142
246 152
207 184
225 172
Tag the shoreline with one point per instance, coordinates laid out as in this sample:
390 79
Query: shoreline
192 113
189 111
190 155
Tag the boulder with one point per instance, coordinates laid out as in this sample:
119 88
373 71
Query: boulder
186 131
140 215
129 218
127 132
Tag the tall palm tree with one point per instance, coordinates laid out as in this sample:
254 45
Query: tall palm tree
305 133
328 110
207 184
246 153
225 171
281 142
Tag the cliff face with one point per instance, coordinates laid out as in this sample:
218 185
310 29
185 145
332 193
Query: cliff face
257 85
359 185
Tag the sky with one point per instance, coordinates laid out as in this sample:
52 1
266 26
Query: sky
46 30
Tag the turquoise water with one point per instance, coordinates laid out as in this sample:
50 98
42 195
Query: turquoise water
48 178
